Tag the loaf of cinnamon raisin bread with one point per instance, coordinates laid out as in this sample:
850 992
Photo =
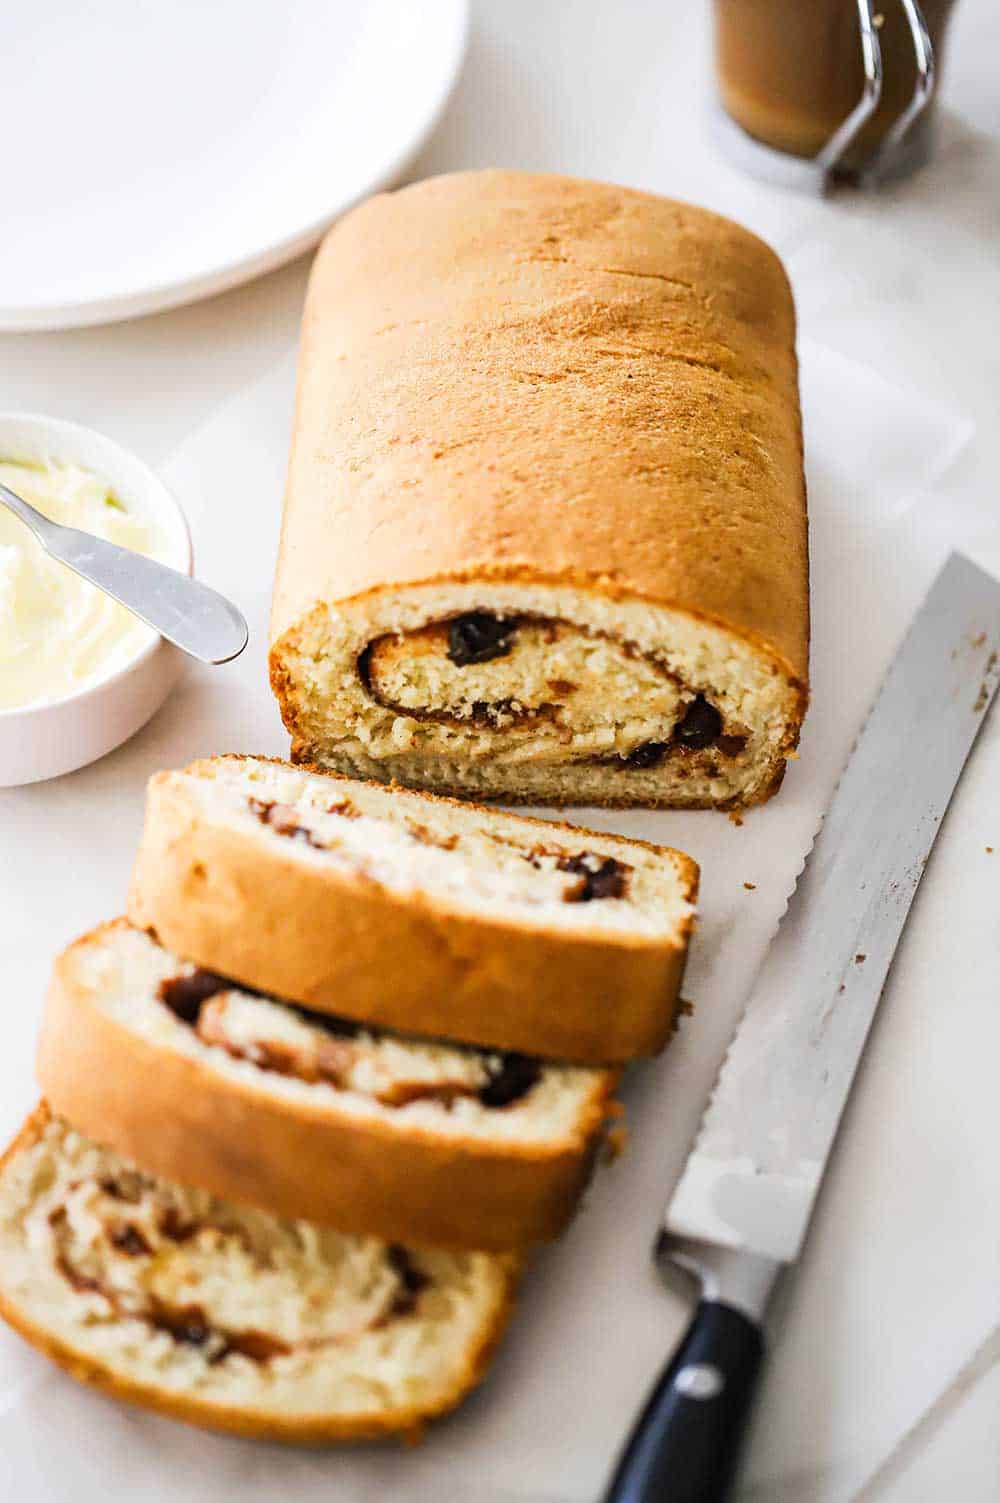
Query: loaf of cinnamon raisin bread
309 1116
409 911
545 528
227 1317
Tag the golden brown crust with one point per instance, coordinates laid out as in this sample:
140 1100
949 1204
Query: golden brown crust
337 943
565 381
235 1421
177 1118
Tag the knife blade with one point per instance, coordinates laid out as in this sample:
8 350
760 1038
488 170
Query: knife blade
190 614
742 1205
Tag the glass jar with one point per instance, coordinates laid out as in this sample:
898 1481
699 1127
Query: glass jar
790 72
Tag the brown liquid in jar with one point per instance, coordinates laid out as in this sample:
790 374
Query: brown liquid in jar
790 71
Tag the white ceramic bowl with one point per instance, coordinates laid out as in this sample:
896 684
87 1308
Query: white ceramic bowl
44 740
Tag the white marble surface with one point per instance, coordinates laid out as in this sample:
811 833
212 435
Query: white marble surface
908 285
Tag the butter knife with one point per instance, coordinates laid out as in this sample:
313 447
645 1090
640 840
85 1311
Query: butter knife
190 614
740 1210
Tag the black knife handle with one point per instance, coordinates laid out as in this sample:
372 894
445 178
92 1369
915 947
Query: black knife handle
685 1444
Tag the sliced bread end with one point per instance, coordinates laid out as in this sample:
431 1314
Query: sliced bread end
230 1318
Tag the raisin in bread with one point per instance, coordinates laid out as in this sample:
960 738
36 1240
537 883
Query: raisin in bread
545 526
227 1317
310 1117
416 912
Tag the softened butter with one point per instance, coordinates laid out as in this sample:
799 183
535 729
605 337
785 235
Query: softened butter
58 633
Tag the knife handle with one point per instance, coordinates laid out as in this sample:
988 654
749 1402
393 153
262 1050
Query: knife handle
685 1444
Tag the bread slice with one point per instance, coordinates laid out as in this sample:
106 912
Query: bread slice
414 912
230 1318
545 522
262 1104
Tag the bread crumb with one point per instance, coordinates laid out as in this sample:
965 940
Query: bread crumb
684 1009
750 886
989 850
735 817
978 641
860 959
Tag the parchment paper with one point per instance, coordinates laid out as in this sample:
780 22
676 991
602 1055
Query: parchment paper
594 1323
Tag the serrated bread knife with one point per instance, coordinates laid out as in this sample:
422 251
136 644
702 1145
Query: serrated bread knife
741 1208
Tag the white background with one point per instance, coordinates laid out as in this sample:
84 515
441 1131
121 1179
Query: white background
909 286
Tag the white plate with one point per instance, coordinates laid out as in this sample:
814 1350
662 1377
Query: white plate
156 153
